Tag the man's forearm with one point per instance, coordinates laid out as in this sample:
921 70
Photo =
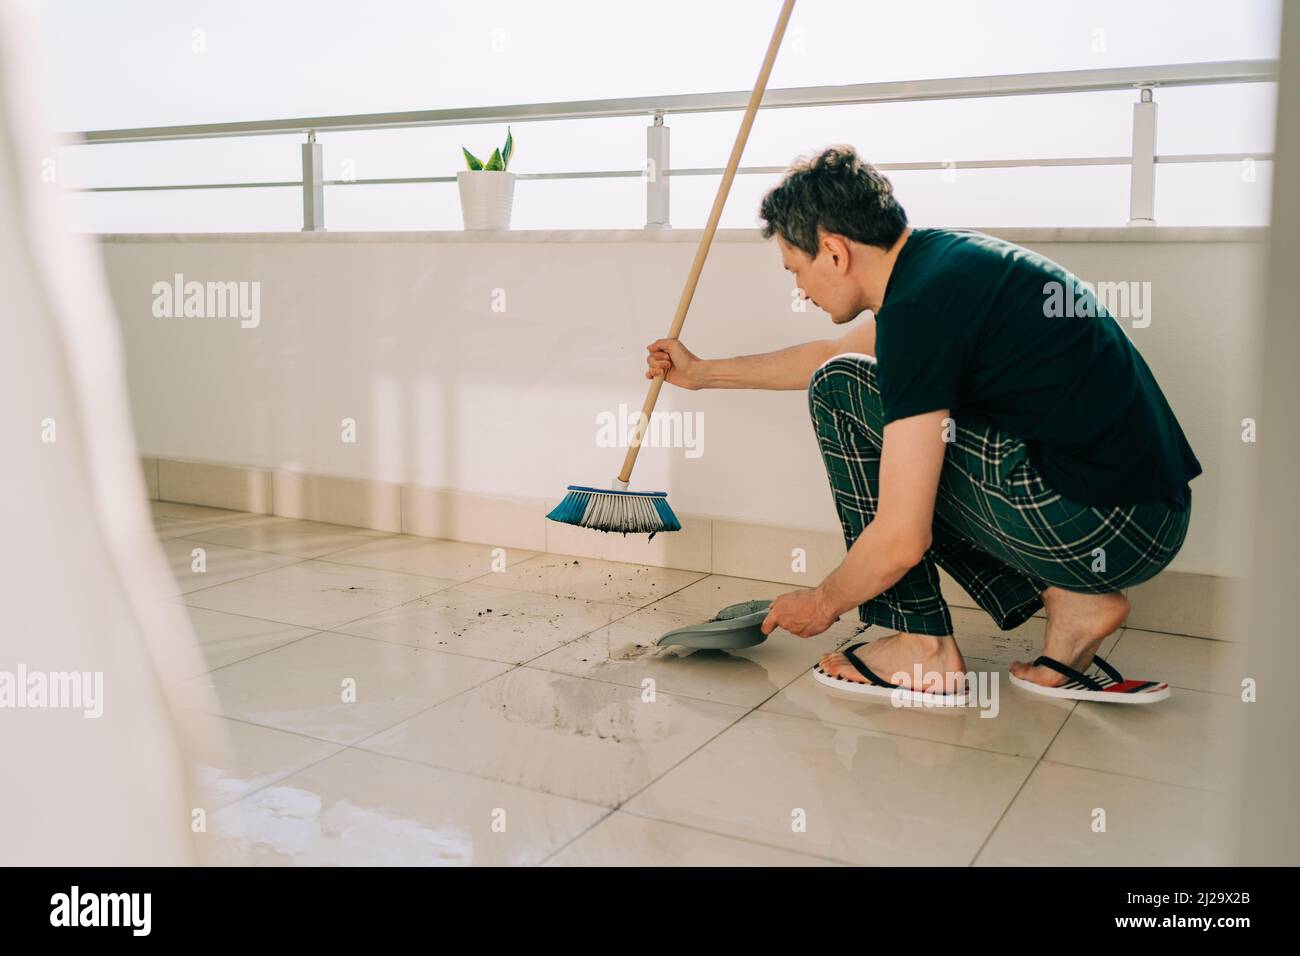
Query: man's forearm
784 369
876 562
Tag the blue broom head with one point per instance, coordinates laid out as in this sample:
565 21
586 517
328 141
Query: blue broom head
636 512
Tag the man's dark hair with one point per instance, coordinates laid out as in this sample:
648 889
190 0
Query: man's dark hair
838 191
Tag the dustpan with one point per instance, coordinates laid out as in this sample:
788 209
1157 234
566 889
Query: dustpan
734 627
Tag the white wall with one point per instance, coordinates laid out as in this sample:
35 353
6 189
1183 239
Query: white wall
397 332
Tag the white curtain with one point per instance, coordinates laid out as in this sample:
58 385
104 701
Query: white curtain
83 584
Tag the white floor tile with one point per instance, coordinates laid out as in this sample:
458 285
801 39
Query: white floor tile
226 638
364 809
316 594
252 757
1193 663
303 539
848 794
304 687
622 839
1057 820
1190 739
577 738
493 623
609 582
457 560
198 564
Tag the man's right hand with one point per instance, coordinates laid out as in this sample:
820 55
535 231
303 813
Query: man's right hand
668 357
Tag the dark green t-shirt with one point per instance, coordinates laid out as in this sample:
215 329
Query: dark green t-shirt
974 324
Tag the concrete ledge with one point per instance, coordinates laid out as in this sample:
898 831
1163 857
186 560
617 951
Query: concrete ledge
603 236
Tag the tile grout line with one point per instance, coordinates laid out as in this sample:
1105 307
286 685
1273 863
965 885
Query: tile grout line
660 776
256 654
632 796
343 748
337 628
420 647
731 836
1131 776
1024 783
1038 761
245 577
623 803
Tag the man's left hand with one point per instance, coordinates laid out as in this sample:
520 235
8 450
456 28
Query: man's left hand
802 613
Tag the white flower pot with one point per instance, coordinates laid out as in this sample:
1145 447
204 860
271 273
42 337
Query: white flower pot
486 198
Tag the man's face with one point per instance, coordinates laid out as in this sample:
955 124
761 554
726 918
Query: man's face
823 281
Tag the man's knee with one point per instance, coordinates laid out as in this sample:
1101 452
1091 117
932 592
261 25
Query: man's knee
848 383
841 375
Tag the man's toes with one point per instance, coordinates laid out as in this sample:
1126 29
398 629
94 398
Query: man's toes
837 665
1037 675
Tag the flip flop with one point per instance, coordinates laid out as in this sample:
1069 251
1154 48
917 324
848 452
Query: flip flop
1108 685
734 627
879 687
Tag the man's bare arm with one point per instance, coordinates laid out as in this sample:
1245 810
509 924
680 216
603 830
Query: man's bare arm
889 546
785 369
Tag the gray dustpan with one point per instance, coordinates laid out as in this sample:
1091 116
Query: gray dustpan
735 626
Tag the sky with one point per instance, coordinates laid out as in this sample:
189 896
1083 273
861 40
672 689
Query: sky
161 62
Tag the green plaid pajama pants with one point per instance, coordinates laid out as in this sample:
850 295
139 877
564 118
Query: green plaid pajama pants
999 530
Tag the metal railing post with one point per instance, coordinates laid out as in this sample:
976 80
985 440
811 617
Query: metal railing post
656 171
313 186
1142 185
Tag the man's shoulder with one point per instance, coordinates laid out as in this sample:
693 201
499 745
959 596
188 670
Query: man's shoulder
959 237
944 250
957 252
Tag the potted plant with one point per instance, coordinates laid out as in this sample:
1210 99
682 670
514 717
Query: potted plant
487 190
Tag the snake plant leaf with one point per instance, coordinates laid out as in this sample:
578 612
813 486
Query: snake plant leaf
509 149
494 164
471 160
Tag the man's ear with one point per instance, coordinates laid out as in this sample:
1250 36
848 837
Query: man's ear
837 250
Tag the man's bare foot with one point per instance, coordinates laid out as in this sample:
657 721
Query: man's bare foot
898 654
1076 626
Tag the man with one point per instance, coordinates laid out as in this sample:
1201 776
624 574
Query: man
966 425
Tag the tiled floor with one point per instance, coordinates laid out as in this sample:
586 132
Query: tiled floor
390 699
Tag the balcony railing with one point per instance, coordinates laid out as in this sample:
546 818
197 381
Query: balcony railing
657 171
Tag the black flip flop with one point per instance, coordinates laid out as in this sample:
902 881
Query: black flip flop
1108 686
877 686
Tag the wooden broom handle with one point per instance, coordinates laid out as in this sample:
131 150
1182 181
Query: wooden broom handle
702 253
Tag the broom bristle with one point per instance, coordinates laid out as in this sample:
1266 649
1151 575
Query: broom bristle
636 512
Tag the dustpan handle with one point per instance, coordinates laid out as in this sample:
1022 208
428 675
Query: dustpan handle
702 253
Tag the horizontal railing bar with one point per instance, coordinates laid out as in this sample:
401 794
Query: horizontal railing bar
954 164
1215 158
900 91
295 183
714 171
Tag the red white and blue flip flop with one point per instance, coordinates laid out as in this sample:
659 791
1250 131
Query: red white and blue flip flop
1105 684
877 686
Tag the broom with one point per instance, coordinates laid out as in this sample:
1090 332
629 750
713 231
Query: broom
640 511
